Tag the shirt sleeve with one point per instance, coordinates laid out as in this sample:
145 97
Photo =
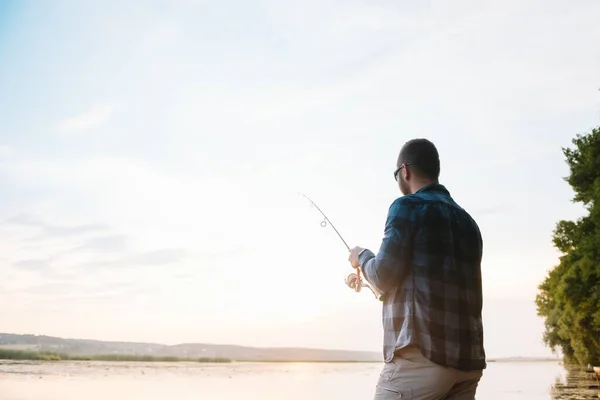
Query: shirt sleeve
386 270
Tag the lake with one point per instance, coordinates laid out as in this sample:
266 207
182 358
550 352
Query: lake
248 381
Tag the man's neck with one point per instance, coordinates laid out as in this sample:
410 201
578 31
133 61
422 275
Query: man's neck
421 184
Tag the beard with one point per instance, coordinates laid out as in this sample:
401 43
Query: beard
404 188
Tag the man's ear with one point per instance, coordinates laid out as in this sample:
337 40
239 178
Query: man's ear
407 173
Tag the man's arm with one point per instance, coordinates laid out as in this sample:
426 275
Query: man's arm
387 269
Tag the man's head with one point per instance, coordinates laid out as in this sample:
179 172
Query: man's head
418 165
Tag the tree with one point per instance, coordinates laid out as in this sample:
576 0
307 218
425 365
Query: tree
569 297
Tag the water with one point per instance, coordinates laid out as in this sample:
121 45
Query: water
248 381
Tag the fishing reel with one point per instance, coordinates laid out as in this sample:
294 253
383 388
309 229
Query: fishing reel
355 282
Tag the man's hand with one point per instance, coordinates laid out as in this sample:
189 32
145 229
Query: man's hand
353 258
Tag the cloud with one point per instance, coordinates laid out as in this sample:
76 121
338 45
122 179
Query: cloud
62 251
41 267
25 219
32 264
152 258
82 249
62 231
111 243
55 231
78 289
92 118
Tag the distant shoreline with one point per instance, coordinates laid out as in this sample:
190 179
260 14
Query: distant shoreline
48 348
29 355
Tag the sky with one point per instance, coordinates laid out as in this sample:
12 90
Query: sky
151 155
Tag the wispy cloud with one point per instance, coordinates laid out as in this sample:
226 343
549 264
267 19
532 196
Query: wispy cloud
133 262
150 258
55 231
92 118
78 289
110 243
25 219
32 264
41 267
86 247
62 231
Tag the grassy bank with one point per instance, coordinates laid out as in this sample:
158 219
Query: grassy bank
6 354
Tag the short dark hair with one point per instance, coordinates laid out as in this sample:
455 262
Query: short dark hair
423 158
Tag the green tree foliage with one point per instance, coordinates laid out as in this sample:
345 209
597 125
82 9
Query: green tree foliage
569 297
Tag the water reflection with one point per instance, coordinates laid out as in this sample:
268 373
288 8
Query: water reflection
259 381
577 384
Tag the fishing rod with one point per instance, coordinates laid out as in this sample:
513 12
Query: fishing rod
353 280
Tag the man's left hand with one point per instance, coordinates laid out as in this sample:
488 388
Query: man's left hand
353 258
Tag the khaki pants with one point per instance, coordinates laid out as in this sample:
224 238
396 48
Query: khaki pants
411 376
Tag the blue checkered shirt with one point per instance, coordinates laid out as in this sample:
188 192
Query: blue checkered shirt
429 270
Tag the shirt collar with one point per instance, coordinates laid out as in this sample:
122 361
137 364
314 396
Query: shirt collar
433 187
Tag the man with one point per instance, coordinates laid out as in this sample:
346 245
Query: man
429 270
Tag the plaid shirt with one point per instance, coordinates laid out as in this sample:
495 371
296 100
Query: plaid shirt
429 270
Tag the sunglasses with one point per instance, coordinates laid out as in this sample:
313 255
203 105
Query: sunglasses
399 169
